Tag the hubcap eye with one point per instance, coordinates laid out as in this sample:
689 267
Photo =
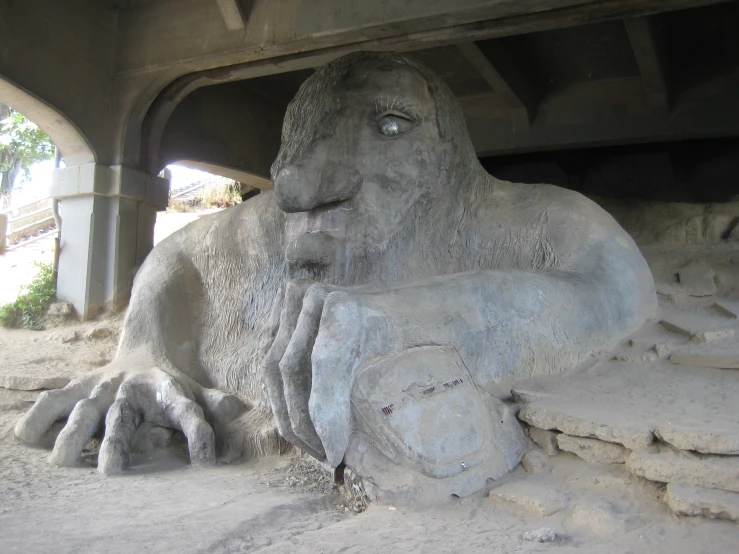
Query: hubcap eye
389 127
392 125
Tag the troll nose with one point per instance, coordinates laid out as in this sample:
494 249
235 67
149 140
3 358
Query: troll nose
300 187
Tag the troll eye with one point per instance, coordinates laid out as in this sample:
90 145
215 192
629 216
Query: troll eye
391 124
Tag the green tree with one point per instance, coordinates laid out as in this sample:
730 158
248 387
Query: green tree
22 144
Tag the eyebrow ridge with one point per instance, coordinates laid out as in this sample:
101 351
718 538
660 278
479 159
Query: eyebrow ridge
385 103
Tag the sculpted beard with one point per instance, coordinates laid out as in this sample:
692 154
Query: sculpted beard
423 247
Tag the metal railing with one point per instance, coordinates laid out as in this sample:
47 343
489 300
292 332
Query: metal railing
26 221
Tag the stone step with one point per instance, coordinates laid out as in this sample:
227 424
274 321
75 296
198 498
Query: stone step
593 451
667 466
689 500
33 382
711 440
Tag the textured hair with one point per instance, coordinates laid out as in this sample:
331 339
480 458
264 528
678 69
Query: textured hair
315 103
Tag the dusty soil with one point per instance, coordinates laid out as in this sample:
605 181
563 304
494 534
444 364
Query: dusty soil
268 505
287 504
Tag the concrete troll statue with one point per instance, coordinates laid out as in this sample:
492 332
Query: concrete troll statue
369 310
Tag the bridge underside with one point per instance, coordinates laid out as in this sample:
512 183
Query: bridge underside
126 87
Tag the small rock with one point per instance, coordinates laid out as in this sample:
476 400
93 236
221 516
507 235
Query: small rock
60 309
98 333
536 497
662 350
65 336
698 281
546 439
593 451
666 466
535 461
689 500
545 534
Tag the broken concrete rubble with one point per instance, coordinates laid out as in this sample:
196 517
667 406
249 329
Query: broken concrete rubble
60 310
33 382
690 500
708 441
544 417
592 450
666 466
545 534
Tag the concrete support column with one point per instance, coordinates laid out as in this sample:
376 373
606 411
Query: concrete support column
3 232
108 216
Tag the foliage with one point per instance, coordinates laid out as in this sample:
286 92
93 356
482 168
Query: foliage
22 144
33 299
176 205
222 196
219 195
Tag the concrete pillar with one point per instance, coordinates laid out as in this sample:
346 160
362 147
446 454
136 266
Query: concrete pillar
3 232
108 216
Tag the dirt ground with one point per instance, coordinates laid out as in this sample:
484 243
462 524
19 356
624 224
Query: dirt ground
163 505
284 504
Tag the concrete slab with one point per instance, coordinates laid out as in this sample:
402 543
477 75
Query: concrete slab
593 451
714 441
689 500
625 403
666 466
33 382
